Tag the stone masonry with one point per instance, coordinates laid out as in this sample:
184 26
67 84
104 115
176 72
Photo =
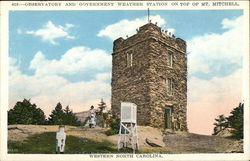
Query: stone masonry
144 82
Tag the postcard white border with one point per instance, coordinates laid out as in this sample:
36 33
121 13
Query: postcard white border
7 6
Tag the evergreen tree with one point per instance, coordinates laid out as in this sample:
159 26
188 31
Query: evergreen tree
60 116
220 124
102 106
235 121
57 115
25 113
100 117
38 117
70 118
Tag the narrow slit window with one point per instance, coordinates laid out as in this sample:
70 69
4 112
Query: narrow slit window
169 83
170 59
129 59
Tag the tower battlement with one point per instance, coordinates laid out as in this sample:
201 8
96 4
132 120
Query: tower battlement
150 31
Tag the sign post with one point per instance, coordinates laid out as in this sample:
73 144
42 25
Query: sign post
60 140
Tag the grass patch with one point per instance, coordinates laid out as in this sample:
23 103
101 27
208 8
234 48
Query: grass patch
110 132
45 143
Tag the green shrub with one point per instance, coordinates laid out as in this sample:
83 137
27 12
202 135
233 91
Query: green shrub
110 132
114 124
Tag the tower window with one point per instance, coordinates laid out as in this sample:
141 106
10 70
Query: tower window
170 59
169 83
129 59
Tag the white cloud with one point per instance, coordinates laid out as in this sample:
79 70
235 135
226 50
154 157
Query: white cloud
210 50
47 87
228 24
216 89
50 32
47 91
208 99
103 76
171 30
77 59
128 27
219 95
19 31
13 66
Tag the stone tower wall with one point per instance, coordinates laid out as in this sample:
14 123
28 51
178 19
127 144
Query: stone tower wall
144 83
129 84
159 99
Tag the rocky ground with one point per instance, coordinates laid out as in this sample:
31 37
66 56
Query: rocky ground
189 142
150 139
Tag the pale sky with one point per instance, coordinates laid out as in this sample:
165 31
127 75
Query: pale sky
65 56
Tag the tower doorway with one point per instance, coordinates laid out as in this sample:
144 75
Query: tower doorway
167 117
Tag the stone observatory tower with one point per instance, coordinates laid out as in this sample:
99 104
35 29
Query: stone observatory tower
150 70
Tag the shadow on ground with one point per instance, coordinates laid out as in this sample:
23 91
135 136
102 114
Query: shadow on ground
45 143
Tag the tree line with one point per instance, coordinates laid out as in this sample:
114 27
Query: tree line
234 122
24 112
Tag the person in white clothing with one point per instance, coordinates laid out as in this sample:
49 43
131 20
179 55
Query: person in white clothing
92 117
